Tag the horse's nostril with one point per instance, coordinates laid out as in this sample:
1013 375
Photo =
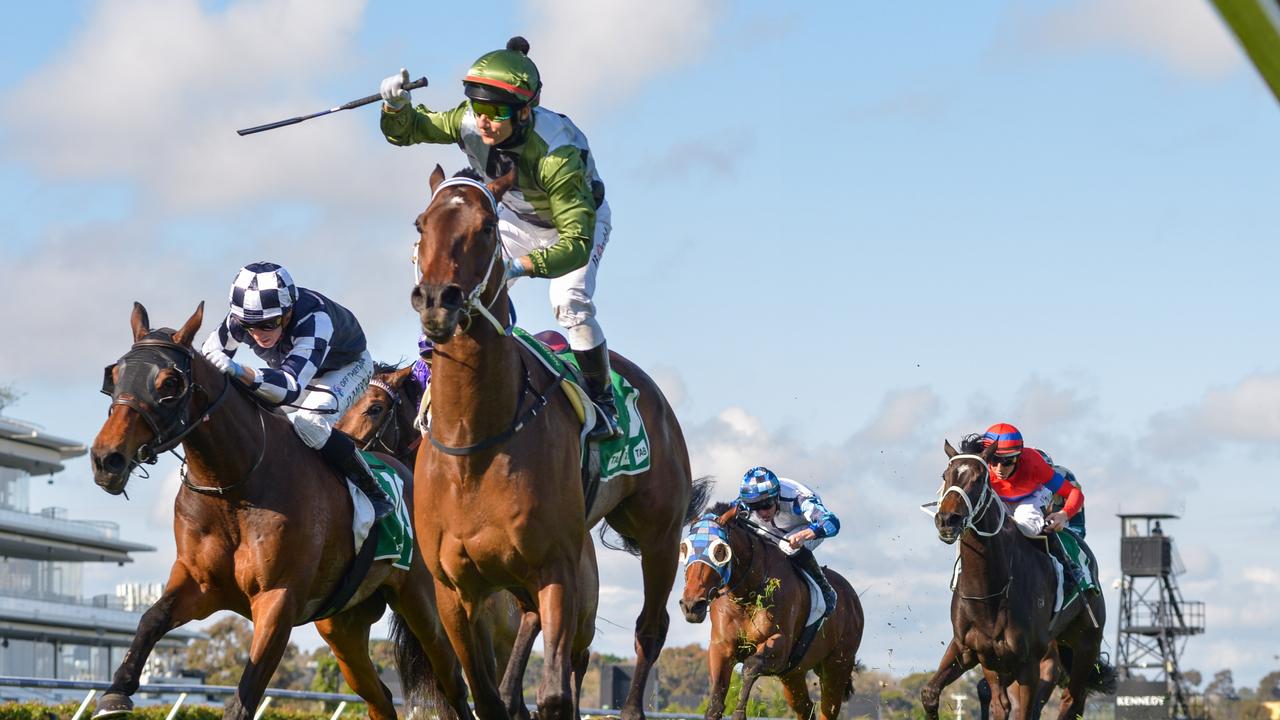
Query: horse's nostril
451 297
114 463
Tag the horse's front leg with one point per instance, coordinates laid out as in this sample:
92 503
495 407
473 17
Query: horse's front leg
512 690
770 653
950 668
476 664
720 662
181 602
557 608
1022 693
274 613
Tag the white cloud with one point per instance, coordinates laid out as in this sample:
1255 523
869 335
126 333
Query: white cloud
1246 412
1186 35
594 54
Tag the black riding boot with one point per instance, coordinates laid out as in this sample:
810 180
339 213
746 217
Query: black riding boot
340 452
1073 576
805 560
594 364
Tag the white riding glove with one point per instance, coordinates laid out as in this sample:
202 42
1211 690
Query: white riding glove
393 92
225 365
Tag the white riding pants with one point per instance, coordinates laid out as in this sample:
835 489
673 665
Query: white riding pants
326 398
1028 513
570 293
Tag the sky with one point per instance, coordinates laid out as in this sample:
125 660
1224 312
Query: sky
843 232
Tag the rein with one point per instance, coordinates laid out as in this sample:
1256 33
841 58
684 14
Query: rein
221 490
986 499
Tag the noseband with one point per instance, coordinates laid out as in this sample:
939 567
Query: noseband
473 304
168 419
985 498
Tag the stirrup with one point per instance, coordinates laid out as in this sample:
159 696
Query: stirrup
606 427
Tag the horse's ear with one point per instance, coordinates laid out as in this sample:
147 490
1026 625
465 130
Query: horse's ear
400 376
502 184
141 324
729 516
950 451
189 328
437 177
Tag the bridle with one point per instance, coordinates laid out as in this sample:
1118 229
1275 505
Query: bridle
715 553
168 416
390 420
473 303
985 498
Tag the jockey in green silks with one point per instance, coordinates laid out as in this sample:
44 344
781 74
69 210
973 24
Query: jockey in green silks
554 222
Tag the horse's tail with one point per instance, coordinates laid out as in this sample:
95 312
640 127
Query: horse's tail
417 677
698 497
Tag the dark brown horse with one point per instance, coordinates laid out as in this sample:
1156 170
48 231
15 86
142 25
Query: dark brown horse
1002 605
381 420
504 506
263 528
759 603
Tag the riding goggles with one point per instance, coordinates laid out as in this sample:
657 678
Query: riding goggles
1006 461
268 324
493 111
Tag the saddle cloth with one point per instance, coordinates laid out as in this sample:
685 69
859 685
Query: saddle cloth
395 541
816 605
628 455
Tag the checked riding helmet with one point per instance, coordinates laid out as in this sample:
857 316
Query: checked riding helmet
261 291
1007 439
759 487
504 77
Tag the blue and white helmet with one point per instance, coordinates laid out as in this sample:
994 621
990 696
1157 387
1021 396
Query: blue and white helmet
759 485
261 291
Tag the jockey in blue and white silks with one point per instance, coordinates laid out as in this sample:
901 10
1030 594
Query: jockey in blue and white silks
786 508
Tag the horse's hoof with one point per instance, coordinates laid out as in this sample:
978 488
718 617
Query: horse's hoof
113 705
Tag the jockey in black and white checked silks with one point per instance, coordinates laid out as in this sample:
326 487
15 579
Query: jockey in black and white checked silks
319 366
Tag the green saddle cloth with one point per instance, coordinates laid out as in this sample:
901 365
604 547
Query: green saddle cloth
1081 558
627 455
395 531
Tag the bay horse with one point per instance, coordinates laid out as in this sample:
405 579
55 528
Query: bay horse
382 418
504 506
263 528
1003 600
758 602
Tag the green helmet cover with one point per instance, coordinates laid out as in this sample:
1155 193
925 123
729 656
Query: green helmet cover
504 76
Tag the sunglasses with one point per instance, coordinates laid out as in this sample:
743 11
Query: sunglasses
271 324
1005 461
767 504
493 111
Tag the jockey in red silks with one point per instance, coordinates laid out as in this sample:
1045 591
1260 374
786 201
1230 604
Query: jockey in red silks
1027 483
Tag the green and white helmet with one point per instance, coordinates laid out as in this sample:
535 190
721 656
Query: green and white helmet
507 76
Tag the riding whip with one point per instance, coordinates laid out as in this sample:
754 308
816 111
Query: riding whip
419 83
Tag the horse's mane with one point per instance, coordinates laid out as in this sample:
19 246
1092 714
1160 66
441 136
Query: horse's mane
381 368
412 389
971 444
470 174
719 508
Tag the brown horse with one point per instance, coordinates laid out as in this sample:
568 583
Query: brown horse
381 420
505 506
263 528
1007 626
759 603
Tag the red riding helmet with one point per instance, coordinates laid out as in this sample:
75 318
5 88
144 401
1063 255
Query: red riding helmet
1006 437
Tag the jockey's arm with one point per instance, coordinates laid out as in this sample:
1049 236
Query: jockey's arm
1074 501
413 125
573 212
310 346
822 521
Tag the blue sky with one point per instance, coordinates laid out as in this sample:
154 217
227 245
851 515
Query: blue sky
842 232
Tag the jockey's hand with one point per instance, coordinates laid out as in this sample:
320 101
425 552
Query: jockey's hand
516 267
225 364
393 92
1056 521
800 538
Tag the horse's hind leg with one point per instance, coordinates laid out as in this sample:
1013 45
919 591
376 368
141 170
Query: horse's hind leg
348 636
273 614
835 678
796 692
1084 654
659 561
950 668
181 602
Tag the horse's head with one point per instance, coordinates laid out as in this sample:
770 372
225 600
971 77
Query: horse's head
966 492
383 417
458 253
150 388
707 553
